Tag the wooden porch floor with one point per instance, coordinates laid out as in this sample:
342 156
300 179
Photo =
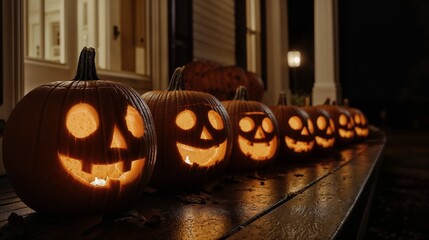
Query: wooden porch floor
322 197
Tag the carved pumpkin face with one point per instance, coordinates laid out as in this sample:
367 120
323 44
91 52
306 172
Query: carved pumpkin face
255 131
118 161
361 123
201 138
256 136
90 144
194 136
296 129
324 128
343 122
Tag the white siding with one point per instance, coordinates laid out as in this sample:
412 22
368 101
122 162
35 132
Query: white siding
214 30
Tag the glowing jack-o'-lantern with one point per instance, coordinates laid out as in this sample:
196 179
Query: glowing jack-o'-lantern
324 129
360 121
93 138
296 129
343 122
255 131
194 135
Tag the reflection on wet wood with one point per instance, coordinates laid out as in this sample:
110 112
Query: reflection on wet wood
299 200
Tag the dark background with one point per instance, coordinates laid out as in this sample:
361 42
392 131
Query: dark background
383 57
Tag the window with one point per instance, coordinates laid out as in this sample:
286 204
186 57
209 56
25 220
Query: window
116 29
45 30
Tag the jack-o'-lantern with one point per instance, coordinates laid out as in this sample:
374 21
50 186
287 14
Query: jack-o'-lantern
194 135
255 132
296 129
343 121
89 144
324 129
360 121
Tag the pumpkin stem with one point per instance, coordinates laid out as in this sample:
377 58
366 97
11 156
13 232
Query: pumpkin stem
307 101
327 101
282 99
241 93
86 66
346 102
176 82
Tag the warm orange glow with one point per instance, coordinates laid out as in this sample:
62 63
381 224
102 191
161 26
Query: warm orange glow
102 175
342 120
186 119
310 126
118 141
246 124
201 156
332 124
321 123
325 143
298 146
215 120
295 123
258 151
134 121
362 132
82 120
267 125
205 134
357 118
346 133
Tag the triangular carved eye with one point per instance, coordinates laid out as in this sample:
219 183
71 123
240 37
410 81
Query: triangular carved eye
295 123
357 118
134 122
82 120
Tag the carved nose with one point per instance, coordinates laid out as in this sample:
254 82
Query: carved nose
205 134
118 141
259 133
304 132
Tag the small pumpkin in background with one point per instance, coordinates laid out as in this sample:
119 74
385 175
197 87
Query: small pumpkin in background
360 121
221 81
84 146
296 129
193 133
324 128
255 132
343 121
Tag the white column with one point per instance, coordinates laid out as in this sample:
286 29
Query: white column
325 79
277 47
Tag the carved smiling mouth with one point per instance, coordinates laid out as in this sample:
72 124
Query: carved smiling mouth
257 151
298 146
346 133
201 156
361 131
325 143
102 175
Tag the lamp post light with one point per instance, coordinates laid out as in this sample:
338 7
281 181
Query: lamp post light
294 61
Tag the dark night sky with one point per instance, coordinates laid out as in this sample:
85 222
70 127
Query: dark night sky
384 56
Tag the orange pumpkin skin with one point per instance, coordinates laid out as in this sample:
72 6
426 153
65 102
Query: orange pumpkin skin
360 122
37 139
195 149
221 81
344 125
255 132
296 130
324 129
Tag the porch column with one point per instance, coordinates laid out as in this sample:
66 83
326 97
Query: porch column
325 75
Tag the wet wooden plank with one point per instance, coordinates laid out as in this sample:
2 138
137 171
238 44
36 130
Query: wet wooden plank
320 211
235 205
